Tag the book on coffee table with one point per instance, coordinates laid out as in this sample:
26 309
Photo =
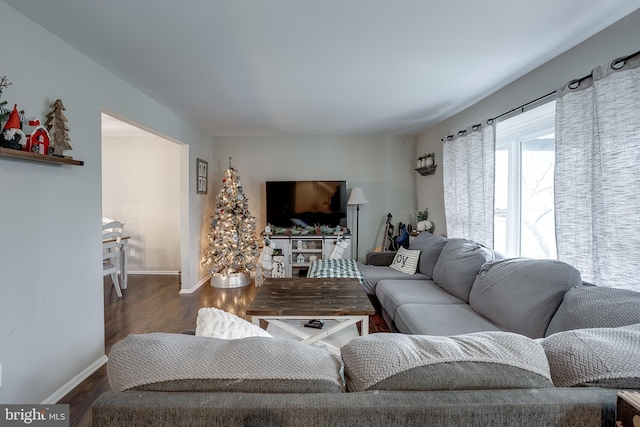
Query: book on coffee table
628 409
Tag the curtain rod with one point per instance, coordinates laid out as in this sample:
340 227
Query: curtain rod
490 121
616 64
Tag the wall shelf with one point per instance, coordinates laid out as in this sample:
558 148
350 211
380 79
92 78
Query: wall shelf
427 170
26 155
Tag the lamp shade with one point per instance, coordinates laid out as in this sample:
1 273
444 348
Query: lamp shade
357 197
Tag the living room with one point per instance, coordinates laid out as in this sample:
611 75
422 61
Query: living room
51 311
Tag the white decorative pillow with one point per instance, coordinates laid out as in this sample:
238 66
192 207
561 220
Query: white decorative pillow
406 261
215 323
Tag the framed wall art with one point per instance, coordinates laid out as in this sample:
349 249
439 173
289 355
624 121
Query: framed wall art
202 171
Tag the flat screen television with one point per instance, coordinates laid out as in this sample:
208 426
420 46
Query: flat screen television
306 203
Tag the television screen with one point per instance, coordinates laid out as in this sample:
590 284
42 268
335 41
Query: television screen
306 203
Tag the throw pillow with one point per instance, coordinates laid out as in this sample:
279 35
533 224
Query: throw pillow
521 295
458 264
406 261
603 357
178 362
215 323
478 361
589 306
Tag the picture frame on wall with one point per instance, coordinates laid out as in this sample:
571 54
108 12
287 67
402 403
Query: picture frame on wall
202 171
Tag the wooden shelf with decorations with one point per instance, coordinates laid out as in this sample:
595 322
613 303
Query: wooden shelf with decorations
427 170
34 157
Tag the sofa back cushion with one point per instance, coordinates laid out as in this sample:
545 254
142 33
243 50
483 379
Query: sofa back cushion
177 362
522 295
599 357
588 306
478 361
458 264
430 247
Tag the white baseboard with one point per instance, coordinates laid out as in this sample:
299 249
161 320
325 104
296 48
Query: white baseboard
200 283
168 273
75 381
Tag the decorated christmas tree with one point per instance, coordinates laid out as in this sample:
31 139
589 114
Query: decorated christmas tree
233 244
57 128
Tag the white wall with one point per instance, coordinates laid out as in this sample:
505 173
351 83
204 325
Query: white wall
620 39
382 166
51 299
141 188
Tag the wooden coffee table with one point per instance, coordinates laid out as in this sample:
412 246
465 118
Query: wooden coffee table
279 301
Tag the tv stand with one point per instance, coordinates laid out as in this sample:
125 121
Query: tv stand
298 257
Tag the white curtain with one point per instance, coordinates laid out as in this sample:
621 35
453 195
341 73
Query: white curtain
597 176
468 175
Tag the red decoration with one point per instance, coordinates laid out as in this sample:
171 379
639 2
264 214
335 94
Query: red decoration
38 141
12 136
14 119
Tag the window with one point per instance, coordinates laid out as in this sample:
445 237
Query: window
523 208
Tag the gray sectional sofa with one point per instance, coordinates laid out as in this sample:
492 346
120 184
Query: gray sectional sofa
462 287
486 342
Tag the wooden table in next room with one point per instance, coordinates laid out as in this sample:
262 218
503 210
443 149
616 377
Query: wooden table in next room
280 300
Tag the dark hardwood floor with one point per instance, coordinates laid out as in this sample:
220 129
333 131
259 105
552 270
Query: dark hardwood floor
151 303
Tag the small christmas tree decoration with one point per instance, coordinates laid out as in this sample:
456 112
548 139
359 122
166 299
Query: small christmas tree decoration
233 249
12 136
57 128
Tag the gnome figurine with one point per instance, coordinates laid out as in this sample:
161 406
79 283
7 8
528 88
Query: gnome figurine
12 136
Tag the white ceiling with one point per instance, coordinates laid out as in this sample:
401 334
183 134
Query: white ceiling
329 67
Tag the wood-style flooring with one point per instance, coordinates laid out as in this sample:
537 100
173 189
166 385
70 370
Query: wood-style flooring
151 303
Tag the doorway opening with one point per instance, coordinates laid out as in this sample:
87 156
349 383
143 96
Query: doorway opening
141 187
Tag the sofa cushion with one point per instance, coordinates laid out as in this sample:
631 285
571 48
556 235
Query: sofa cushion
522 295
177 362
430 247
215 323
372 274
405 261
603 357
588 306
394 293
458 264
441 319
481 361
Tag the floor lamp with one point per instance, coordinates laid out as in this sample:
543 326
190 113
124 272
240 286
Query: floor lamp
357 198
